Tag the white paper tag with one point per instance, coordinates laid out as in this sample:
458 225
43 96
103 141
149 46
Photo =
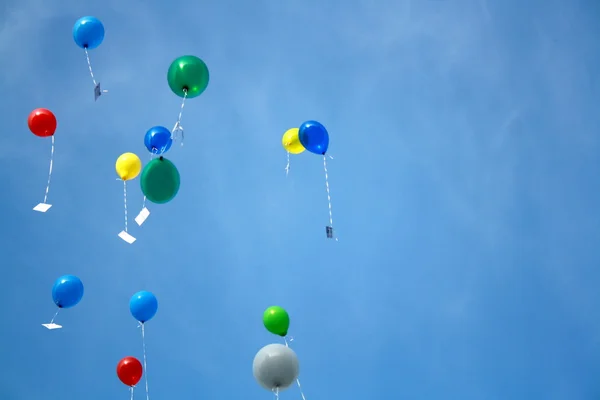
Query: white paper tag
127 237
42 207
52 326
142 216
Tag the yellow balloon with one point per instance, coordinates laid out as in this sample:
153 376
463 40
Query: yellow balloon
291 141
128 166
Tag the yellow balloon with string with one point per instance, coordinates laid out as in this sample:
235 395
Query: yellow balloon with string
291 141
128 166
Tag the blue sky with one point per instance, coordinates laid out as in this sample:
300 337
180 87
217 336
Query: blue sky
464 188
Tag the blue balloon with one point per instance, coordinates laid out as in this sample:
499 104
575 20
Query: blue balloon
143 306
158 140
88 32
314 137
67 291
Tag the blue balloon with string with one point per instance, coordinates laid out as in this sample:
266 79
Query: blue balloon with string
67 291
158 140
143 306
88 32
314 137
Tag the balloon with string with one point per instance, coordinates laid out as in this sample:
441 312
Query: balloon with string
188 78
67 292
128 167
158 141
130 371
291 144
88 33
315 138
143 306
42 123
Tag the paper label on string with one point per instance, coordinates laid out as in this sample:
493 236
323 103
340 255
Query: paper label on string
329 232
127 237
97 91
142 216
42 207
52 326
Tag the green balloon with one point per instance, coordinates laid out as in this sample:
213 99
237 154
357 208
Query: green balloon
160 181
188 73
276 320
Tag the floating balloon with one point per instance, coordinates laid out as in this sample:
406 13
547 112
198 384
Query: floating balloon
158 140
276 367
160 181
128 166
88 33
129 371
42 123
276 320
143 306
67 292
291 141
314 137
188 76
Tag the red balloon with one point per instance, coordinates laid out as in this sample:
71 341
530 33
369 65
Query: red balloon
129 371
42 122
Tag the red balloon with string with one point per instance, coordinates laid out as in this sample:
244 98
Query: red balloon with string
42 122
129 371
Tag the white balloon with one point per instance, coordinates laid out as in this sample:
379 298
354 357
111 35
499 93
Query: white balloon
275 366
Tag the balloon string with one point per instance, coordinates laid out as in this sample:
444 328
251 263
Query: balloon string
125 201
145 368
50 171
287 167
131 391
55 314
178 129
87 56
144 201
300 388
328 194
297 380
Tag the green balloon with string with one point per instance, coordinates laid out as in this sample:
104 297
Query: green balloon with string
188 76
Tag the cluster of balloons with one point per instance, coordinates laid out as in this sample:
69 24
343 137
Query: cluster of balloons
311 136
67 292
187 77
143 307
275 366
